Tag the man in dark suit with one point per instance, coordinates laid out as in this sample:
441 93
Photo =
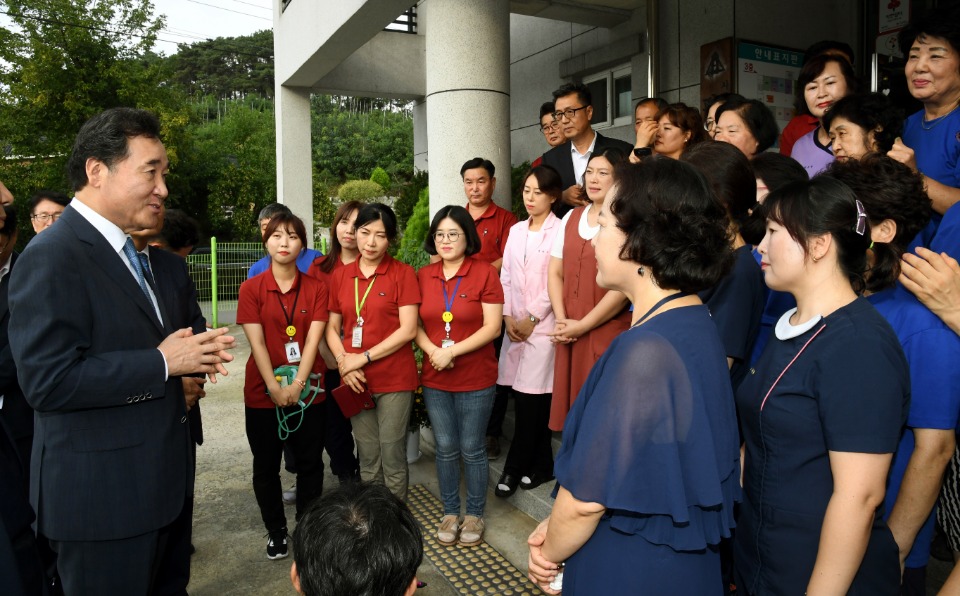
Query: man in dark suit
574 110
101 362
14 410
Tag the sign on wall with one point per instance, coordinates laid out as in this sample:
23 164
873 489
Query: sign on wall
769 74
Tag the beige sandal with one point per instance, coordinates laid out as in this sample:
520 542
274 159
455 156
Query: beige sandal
471 531
448 530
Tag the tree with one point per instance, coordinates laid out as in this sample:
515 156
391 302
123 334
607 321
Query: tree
230 68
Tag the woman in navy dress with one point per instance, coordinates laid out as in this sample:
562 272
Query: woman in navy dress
648 471
821 411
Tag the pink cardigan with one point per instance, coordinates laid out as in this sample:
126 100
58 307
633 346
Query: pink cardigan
528 366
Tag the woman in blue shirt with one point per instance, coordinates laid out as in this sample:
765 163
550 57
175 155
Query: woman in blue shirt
821 410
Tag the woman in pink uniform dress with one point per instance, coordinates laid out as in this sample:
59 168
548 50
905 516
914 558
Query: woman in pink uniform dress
588 316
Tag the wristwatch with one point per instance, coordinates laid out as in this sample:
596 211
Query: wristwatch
534 319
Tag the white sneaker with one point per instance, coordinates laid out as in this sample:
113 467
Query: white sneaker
290 495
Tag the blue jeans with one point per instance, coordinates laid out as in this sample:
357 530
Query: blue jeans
459 421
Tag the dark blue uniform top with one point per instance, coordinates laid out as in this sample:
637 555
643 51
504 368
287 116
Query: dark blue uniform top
848 391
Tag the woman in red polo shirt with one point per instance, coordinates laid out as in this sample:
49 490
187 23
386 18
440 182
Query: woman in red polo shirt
338 435
374 302
283 314
459 318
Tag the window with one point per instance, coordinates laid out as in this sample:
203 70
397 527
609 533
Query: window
611 97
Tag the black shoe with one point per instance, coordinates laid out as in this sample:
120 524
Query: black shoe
534 480
493 448
277 545
507 485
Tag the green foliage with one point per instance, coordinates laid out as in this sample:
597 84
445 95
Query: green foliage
409 196
360 190
411 245
381 177
231 68
516 189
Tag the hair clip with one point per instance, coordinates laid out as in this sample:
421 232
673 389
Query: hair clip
861 218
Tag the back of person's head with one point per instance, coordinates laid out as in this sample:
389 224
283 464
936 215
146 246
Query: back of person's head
821 206
47 195
941 22
271 210
378 212
548 180
291 224
180 231
758 118
583 93
686 119
9 228
673 223
813 68
478 162
730 176
873 112
888 190
720 98
105 137
831 48
356 540
546 108
774 171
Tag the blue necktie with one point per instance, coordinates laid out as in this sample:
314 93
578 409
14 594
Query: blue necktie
134 257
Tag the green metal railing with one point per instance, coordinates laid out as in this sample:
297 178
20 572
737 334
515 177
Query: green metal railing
218 273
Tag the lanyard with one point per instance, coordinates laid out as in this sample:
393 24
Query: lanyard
447 315
291 330
784 371
356 296
658 305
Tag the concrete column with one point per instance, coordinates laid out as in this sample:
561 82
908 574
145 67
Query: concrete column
468 93
420 161
294 168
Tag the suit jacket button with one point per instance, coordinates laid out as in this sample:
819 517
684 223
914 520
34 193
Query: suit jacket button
148 395
129 399
183 420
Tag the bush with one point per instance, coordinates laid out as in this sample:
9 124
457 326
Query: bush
411 245
360 190
381 177
516 189
409 197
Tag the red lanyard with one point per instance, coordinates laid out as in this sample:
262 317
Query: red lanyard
784 371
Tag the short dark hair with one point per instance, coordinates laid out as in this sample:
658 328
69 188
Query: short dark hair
776 171
378 212
869 111
49 195
813 68
583 93
612 154
546 108
272 209
9 228
758 118
462 218
686 119
289 222
548 180
333 256
673 222
941 22
179 230
720 98
105 137
823 205
731 178
660 103
828 46
357 540
888 190
478 162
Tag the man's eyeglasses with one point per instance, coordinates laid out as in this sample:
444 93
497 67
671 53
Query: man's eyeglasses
709 125
451 236
552 126
569 113
45 217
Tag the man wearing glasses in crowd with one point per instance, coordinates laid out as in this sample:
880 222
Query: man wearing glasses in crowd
46 206
574 111
550 127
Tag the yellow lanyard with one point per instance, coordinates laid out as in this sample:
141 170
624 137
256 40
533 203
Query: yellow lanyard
356 296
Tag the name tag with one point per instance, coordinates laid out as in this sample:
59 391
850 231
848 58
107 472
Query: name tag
292 349
357 337
446 343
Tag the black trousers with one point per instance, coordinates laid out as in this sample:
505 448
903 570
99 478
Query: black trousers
530 451
266 446
338 435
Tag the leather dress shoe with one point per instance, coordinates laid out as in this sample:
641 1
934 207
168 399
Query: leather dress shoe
534 480
510 481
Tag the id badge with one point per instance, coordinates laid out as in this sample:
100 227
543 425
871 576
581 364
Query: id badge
357 337
292 349
446 343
